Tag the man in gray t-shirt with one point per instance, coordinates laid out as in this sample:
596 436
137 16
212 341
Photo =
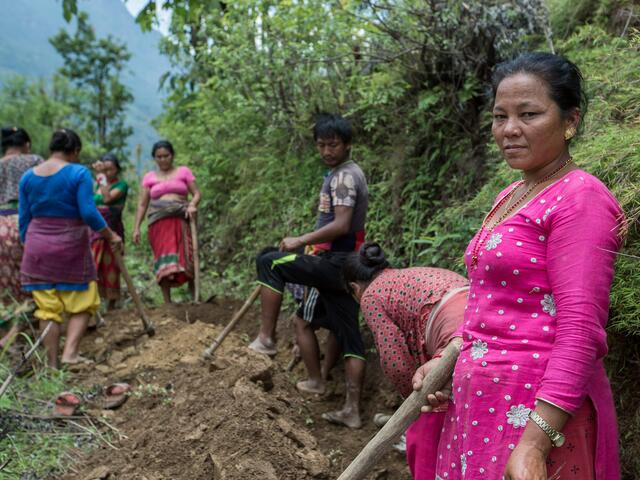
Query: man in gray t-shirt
339 231
345 186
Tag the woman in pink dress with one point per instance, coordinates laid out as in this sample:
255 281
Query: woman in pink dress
530 396
164 195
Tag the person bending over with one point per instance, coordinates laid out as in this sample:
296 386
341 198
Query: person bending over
413 314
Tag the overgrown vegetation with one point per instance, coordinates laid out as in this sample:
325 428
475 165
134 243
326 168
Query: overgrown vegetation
412 77
41 106
31 446
86 94
94 66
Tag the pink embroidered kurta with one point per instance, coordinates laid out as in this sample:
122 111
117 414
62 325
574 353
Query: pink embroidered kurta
535 328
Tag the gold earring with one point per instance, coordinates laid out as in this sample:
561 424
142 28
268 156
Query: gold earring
570 133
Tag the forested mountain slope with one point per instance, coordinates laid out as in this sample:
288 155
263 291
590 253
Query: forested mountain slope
25 29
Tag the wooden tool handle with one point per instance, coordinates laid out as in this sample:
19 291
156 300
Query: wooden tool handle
403 417
24 360
236 318
196 259
148 327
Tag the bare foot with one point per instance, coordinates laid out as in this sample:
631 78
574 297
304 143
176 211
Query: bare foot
348 418
267 349
78 359
311 386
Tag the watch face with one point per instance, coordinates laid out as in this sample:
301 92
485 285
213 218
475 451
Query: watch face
559 440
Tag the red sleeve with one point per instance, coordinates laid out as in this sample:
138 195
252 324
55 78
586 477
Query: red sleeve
397 363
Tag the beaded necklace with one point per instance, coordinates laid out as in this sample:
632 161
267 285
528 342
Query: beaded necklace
484 230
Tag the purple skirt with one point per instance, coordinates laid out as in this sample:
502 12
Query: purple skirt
57 250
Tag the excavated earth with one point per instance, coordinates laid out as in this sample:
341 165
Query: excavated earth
235 417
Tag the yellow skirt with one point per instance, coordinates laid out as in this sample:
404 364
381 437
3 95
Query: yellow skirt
53 303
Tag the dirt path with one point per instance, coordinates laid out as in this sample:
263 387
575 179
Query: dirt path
237 417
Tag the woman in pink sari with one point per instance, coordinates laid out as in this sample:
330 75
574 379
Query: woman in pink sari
530 396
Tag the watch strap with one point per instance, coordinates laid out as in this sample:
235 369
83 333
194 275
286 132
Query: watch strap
557 438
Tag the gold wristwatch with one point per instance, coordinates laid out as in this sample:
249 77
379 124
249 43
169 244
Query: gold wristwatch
556 437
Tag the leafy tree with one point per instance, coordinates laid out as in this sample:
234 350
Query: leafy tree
411 75
40 106
93 65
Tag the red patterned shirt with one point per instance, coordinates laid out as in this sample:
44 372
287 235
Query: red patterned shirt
396 306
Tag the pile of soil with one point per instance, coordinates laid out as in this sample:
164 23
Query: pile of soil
237 416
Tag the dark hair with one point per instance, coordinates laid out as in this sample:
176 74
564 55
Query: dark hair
329 125
162 144
65 140
14 137
562 77
111 157
364 265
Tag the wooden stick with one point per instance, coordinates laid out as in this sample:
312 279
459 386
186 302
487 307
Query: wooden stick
208 353
295 360
196 259
402 418
13 374
149 329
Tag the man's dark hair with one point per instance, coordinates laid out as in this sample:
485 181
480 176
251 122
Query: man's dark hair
329 125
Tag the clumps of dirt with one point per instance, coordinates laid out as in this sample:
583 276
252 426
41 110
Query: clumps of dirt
235 417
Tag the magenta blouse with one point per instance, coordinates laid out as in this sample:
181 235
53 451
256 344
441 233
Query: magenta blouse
535 327
178 183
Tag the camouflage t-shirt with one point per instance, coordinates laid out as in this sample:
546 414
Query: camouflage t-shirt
346 186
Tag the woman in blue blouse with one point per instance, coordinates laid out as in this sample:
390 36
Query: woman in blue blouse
55 206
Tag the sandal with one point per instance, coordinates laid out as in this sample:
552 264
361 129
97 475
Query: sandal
115 395
66 404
